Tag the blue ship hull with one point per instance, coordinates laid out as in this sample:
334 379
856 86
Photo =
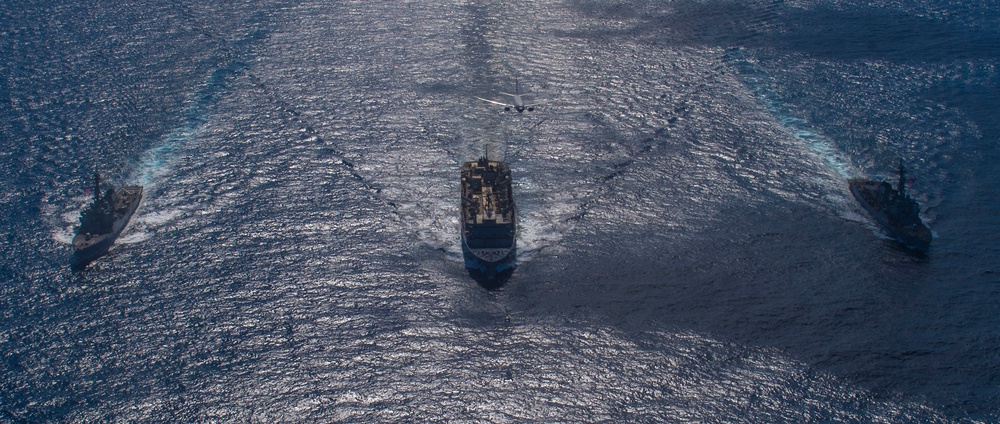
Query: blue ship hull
489 267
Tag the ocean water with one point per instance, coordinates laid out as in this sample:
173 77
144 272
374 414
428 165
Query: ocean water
688 247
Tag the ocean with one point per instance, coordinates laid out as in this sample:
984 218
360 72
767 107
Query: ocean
688 248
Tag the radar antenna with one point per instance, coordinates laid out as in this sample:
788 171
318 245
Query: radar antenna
97 186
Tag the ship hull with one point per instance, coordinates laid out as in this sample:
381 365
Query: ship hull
489 263
93 251
915 236
87 249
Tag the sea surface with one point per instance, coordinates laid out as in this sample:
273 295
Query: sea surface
688 248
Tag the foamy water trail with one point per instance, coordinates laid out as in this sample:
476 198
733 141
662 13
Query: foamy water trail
543 217
821 146
152 167
533 237
437 225
156 162
754 76
142 227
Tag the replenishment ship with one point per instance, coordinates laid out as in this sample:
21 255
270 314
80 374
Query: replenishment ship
489 219
102 221
894 210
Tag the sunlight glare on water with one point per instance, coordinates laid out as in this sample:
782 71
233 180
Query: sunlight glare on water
688 248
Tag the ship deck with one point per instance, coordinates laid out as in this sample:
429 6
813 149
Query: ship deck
486 194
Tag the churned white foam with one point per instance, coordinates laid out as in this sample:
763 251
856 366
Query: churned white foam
534 237
437 226
64 227
882 235
853 215
158 218
156 162
63 235
818 145
133 235
543 228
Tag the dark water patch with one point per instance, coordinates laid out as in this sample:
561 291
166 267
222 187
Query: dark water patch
733 284
885 35
979 100
855 34
619 169
491 282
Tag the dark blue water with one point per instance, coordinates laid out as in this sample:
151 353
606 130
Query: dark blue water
689 250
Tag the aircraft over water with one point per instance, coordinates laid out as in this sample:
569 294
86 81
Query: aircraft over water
518 101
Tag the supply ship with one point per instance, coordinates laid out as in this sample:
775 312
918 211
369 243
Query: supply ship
489 219
894 210
102 221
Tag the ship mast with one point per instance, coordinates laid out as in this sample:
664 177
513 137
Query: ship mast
97 187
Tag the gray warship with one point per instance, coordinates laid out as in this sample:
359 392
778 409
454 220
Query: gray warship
489 219
102 221
894 210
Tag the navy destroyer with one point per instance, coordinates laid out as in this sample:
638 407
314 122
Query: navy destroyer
102 221
894 210
489 219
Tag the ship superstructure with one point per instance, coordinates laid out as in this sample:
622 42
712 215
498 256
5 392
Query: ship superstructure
894 210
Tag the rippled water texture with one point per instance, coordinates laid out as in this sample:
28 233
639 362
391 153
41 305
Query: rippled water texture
688 248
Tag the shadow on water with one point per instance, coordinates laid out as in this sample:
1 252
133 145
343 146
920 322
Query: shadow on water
78 266
478 49
491 282
822 290
920 256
